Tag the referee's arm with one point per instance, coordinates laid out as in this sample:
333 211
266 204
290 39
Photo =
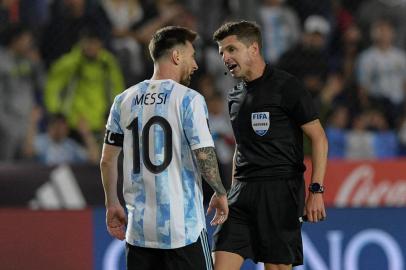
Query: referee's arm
315 210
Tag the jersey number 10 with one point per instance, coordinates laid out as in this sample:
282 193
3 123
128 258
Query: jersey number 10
167 130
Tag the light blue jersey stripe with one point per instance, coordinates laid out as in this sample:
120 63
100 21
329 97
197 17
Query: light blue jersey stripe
138 182
161 180
187 115
188 169
190 213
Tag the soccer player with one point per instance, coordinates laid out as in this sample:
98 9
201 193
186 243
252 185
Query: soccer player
269 110
161 125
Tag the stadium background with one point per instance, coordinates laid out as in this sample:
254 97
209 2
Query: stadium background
51 210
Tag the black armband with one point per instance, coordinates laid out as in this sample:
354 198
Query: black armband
112 138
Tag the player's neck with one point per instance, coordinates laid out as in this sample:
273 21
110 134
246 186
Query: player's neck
164 72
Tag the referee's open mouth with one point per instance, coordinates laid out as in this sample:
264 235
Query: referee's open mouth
231 67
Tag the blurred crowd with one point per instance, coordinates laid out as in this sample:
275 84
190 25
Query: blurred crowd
63 61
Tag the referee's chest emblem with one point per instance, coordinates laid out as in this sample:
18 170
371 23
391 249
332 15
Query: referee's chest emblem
260 122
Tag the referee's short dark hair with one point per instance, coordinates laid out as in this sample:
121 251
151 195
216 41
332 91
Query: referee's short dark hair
168 37
247 32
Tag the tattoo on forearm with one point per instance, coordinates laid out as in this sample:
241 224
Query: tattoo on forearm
207 162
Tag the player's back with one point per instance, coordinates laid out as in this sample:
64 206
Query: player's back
162 121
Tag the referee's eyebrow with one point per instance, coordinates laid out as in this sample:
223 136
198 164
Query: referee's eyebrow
222 49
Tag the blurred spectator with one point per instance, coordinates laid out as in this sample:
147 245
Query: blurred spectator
344 58
371 137
132 23
373 10
9 13
206 86
343 17
309 60
243 10
401 127
324 100
121 17
68 18
346 54
210 14
215 66
360 139
385 140
381 70
161 13
21 79
54 146
306 8
83 82
280 26
222 133
35 13
336 129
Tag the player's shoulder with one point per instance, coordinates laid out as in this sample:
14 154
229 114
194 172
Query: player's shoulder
134 90
188 94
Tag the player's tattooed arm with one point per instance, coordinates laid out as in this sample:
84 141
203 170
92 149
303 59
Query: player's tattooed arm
207 162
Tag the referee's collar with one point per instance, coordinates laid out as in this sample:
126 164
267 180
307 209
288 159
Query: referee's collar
267 73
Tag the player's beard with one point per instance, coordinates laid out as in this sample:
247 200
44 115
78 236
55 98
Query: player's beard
186 79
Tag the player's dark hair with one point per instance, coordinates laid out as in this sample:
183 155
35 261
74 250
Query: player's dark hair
167 38
246 32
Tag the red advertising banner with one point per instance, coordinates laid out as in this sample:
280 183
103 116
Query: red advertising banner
37 240
364 183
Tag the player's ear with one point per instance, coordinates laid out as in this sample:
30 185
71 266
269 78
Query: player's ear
175 56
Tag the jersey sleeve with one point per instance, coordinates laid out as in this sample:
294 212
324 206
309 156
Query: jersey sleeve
195 123
113 122
114 134
298 102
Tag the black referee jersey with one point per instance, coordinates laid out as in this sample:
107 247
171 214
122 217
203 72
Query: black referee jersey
266 115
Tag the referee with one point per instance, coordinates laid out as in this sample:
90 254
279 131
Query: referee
269 110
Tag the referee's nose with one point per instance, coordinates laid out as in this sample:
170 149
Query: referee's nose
225 57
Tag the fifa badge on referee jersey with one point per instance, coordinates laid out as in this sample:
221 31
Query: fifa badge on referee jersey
260 122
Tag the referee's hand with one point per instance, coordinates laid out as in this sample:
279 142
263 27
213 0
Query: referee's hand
116 221
218 202
315 210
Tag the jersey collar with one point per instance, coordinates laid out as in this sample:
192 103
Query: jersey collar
267 73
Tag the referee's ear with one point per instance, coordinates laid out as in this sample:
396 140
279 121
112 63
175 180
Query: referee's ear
254 49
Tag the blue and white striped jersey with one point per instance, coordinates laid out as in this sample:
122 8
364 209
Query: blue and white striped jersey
162 122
